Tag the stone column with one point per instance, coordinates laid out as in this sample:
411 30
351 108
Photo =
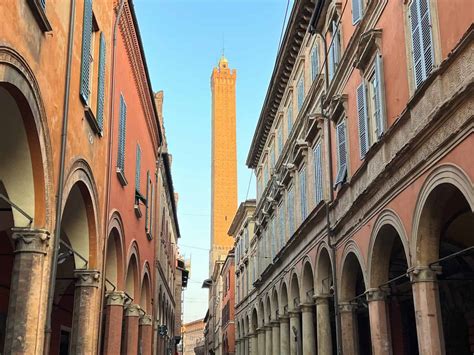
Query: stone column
295 332
308 333
379 322
275 336
146 334
261 340
25 310
253 344
268 339
429 326
246 345
284 334
114 302
84 315
324 334
132 316
350 336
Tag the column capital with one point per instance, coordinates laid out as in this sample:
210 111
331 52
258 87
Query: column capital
284 318
87 278
115 298
306 307
145 320
132 310
275 323
294 312
267 326
260 330
424 273
347 307
376 294
321 298
29 240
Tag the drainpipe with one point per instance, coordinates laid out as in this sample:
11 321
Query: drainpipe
59 195
109 166
314 19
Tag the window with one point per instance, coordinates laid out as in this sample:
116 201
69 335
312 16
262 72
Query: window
302 180
318 172
259 184
421 39
300 91
282 225
265 175
289 117
246 237
273 237
121 141
272 155
370 107
101 83
138 160
341 153
290 211
335 48
357 11
314 62
150 196
280 139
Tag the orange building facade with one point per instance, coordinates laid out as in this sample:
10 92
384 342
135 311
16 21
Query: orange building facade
88 211
365 195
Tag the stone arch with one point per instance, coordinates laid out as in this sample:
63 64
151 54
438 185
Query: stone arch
254 323
324 272
294 300
26 126
388 226
443 180
80 212
145 290
283 298
261 312
351 263
307 282
114 257
268 308
274 304
131 277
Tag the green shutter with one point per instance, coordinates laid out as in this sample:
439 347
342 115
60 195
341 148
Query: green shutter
101 84
86 50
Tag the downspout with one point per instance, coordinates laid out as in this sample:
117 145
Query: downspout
59 194
332 246
109 168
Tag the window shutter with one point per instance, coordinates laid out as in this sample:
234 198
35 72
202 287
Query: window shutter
422 42
137 168
314 62
122 132
318 174
290 118
148 190
43 3
86 49
379 96
362 115
151 204
101 85
356 11
336 43
303 193
301 91
331 61
341 153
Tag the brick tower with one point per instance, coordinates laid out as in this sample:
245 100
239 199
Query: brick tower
224 160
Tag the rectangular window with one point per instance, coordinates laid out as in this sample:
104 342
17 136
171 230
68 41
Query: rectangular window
280 139
341 153
282 226
421 39
121 135
265 175
357 11
314 62
272 155
150 195
86 51
101 84
318 172
300 91
290 209
335 48
363 120
289 118
302 180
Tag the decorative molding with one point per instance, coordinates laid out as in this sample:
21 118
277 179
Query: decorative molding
376 294
29 240
145 320
133 310
369 42
115 298
87 278
347 307
424 274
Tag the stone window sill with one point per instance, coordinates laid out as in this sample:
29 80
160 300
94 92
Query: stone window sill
92 121
121 176
40 15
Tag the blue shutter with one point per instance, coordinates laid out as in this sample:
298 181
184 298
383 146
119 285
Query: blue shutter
121 135
300 92
363 121
356 11
426 36
341 153
289 115
318 174
137 168
314 62
336 43
101 84
43 3
379 96
86 50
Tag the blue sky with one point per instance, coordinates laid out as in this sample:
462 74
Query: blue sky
183 41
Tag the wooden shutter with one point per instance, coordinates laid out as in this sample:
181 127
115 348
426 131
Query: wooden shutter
363 122
336 43
122 132
300 91
137 168
43 3
302 176
379 97
331 60
356 11
147 205
289 114
101 84
318 173
86 50
341 153
422 42
314 63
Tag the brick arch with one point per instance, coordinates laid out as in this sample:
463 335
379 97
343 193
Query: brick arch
18 79
387 227
115 235
424 243
145 288
347 275
133 269
80 176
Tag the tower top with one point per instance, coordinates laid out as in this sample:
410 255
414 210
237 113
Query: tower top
223 62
